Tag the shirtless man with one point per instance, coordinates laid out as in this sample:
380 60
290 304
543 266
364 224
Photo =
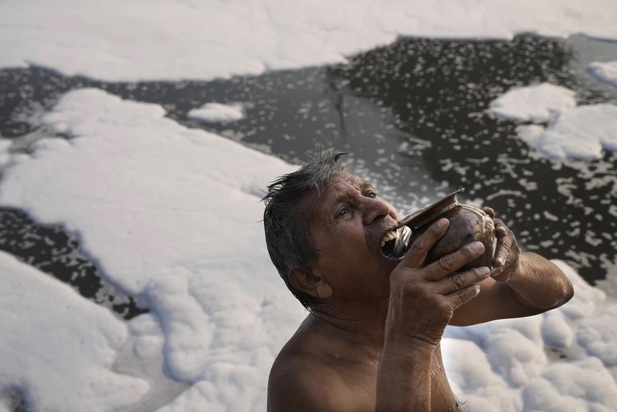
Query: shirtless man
371 341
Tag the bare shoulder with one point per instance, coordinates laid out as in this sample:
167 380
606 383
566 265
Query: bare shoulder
304 377
301 381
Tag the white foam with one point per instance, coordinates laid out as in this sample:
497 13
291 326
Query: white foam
580 133
604 71
171 218
578 386
536 363
576 132
171 39
216 112
537 103
57 348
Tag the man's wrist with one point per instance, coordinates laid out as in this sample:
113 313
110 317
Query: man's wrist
520 275
406 345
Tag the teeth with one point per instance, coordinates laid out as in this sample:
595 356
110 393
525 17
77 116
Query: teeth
389 236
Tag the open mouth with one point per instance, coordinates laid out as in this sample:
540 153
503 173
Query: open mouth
394 243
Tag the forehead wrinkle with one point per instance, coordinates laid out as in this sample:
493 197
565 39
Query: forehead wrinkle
355 181
337 189
330 192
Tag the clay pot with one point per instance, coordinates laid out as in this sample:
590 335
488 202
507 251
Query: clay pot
467 223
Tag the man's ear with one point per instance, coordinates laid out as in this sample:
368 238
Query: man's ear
310 282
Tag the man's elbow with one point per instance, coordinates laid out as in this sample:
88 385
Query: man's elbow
568 291
564 288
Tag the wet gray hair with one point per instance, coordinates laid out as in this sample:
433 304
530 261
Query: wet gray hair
288 225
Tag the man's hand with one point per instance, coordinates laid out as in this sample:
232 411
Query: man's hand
535 282
422 302
507 252
423 298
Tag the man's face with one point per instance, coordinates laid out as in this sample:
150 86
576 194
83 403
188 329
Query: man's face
348 223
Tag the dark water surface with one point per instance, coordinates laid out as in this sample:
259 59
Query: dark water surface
413 117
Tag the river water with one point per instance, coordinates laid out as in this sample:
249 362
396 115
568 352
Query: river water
413 116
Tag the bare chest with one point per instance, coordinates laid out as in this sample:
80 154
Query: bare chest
361 384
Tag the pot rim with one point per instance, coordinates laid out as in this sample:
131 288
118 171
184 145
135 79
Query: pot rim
422 216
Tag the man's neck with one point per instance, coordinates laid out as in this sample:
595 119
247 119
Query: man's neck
360 327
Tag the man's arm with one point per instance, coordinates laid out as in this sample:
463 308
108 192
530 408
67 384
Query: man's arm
404 377
422 301
539 284
520 284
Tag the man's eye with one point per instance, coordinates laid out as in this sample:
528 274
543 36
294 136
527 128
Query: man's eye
371 194
342 212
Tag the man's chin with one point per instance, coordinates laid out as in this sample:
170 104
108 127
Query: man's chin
388 264
390 260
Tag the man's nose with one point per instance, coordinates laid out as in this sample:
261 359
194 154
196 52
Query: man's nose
375 208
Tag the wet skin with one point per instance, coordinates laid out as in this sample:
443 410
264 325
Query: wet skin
373 341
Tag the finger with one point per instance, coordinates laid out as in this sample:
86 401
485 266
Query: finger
501 230
415 256
489 211
502 252
448 264
461 280
496 271
462 296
